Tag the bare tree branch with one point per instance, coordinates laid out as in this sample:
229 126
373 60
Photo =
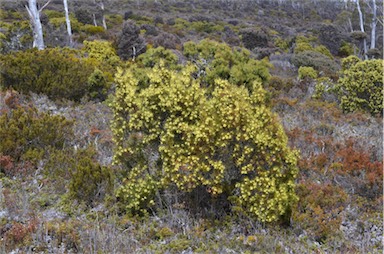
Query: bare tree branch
45 5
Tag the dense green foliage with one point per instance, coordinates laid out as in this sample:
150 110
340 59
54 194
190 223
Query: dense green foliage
58 73
307 72
316 60
361 85
90 182
25 129
217 60
178 132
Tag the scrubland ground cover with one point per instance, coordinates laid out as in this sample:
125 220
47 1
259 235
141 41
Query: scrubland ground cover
191 127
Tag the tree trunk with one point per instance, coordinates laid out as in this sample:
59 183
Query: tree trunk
102 13
68 21
34 15
94 19
362 29
373 25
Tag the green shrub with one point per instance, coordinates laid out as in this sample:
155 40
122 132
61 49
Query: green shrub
315 60
90 182
302 44
323 50
153 56
58 73
91 29
103 53
98 86
307 73
221 138
26 134
114 19
77 172
51 14
361 85
282 44
217 60
346 49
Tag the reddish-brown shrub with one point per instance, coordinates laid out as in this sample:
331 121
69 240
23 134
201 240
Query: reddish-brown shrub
357 162
11 99
6 163
319 209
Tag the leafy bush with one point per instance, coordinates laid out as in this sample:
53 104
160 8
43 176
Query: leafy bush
308 44
58 73
302 44
26 134
90 182
53 14
91 29
176 132
103 53
154 55
114 19
79 174
346 49
315 60
98 85
361 85
307 73
217 60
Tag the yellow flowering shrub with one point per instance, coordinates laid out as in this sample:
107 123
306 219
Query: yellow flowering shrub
174 132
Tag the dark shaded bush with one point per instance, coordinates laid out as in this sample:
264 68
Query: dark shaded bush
158 20
167 40
171 22
58 73
128 15
315 60
253 38
78 172
230 37
374 53
233 22
280 84
197 18
89 182
84 16
358 35
130 43
331 36
149 29
346 49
